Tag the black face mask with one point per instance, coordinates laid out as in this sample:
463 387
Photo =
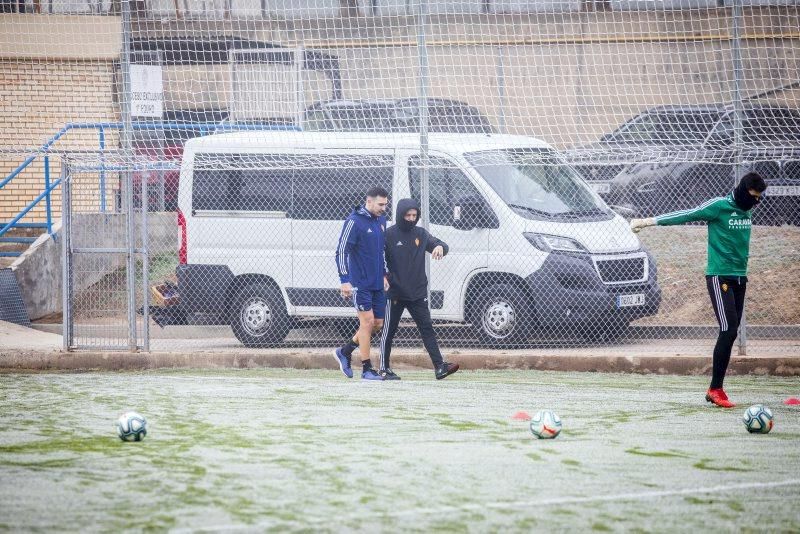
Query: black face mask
743 198
405 225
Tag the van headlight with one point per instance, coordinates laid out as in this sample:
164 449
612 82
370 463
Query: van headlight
549 243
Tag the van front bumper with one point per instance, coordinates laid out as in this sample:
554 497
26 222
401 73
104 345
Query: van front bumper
567 290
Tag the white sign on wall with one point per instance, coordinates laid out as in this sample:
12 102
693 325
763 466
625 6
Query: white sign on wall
147 91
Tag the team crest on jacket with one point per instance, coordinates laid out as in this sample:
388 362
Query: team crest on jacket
724 287
416 241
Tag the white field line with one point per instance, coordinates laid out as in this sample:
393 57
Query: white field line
512 505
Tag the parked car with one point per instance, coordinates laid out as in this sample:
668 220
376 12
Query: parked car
695 149
531 245
399 115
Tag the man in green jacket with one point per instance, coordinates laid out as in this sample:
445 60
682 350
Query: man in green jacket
729 223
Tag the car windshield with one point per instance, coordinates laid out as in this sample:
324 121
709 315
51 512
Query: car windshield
535 183
666 128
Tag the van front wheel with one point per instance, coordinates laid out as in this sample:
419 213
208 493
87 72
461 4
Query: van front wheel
258 315
501 315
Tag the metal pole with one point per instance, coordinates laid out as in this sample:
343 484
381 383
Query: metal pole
424 81
501 88
736 49
145 267
66 257
47 198
102 134
299 62
126 138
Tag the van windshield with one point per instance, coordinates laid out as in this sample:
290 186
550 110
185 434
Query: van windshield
535 183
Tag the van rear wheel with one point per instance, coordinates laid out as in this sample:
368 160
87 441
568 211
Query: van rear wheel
258 315
501 316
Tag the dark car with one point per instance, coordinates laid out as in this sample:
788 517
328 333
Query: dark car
693 146
400 115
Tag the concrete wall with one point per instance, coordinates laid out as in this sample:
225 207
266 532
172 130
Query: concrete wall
39 270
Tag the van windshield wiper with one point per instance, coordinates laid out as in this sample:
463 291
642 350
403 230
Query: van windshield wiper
581 213
532 210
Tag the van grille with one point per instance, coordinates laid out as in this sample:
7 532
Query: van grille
622 270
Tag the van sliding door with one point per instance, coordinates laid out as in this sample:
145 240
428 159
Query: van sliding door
325 190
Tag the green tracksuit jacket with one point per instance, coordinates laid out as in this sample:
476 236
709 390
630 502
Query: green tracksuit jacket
728 234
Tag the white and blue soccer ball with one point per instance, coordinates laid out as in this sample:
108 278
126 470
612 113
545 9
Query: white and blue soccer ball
131 427
758 419
545 424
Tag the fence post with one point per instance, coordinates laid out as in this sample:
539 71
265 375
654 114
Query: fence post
66 257
102 135
145 253
501 88
126 135
424 75
48 213
736 50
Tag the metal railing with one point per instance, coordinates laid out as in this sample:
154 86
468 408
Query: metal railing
101 127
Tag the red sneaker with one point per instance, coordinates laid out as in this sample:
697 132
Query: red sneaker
718 397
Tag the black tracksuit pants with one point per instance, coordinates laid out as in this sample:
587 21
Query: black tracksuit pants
727 298
422 316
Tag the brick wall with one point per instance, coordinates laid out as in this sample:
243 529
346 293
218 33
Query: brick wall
38 98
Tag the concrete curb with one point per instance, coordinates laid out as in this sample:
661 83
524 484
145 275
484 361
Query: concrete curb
646 364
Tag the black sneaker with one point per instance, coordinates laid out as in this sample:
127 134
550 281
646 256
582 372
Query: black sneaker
446 369
388 374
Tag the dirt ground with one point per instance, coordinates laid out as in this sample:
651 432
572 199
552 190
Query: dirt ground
680 252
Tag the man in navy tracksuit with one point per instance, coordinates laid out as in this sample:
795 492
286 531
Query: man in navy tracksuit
406 245
362 273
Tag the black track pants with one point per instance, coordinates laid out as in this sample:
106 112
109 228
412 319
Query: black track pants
422 316
727 298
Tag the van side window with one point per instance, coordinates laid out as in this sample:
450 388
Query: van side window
448 184
235 182
264 190
308 187
326 188
210 189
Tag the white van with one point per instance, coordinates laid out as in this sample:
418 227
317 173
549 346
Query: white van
531 245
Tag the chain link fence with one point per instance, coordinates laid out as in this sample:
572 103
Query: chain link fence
212 152
537 258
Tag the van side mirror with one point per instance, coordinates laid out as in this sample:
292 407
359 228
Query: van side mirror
470 212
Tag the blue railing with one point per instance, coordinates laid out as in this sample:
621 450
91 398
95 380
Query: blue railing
202 128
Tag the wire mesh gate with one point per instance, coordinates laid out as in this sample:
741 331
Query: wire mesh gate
105 252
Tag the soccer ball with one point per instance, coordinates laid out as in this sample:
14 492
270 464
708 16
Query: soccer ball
758 419
545 424
131 427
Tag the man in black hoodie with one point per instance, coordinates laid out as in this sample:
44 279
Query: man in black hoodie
406 245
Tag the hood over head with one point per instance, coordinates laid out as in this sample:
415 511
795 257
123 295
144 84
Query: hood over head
403 205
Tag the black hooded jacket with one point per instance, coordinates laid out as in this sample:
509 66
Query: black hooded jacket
406 245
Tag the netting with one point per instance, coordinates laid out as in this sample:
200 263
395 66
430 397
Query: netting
528 131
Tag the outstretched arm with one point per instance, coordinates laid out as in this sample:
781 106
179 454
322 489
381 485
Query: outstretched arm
437 247
704 212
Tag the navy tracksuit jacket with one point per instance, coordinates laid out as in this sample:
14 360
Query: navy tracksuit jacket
360 256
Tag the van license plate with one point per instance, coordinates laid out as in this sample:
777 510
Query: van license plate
624 301
601 188
783 191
